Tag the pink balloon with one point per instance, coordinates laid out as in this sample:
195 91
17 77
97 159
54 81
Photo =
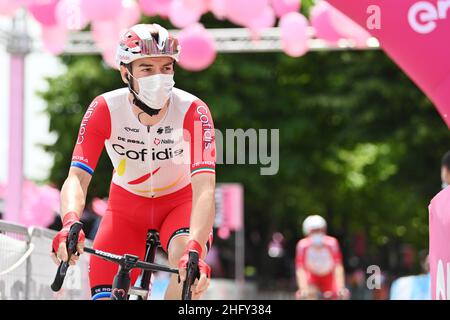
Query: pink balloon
241 12
8 7
294 35
265 20
50 196
99 206
54 39
223 233
44 12
70 16
348 28
320 18
29 192
283 7
27 3
148 7
106 34
183 13
130 14
198 5
218 8
40 205
109 57
29 189
101 9
197 48
155 7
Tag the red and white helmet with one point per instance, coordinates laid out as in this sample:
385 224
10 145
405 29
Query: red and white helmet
313 222
147 40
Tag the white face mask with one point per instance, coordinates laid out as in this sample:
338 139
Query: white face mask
155 90
317 239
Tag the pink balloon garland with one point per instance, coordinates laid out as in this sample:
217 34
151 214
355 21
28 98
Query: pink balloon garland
294 34
198 48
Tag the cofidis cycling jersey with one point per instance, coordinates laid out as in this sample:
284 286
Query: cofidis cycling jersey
318 260
149 161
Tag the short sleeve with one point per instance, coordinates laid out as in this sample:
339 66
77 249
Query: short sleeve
95 128
299 255
336 251
198 128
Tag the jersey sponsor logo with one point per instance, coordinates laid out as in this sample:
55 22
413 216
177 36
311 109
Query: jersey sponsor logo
107 254
423 16
160 130
85 120
207 127
168 129
130 140
80 158
143 154
128 129
204 163
163 141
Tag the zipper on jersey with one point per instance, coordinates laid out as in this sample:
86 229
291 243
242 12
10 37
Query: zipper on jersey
151 169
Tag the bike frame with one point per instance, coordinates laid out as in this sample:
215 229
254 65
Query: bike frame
143 291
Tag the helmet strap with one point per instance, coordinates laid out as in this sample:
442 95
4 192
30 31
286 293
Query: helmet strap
136 101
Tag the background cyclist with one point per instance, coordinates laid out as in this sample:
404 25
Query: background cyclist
319 268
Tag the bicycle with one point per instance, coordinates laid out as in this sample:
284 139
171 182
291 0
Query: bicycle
121 289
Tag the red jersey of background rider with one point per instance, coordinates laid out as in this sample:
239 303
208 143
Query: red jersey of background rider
318 260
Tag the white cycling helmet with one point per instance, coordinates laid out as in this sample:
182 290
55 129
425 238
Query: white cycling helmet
147 40
312 223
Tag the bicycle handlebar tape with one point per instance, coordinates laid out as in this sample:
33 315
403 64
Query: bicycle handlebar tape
192 272
72 241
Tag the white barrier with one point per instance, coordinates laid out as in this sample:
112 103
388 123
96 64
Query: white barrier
27 270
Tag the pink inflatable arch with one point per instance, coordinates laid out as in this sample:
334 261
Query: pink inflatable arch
416 35
439 257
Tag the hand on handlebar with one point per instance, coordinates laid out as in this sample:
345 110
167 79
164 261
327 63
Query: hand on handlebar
304 294
59 245
200 285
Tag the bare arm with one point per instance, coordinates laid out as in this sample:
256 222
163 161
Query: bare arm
73 199
302 281
339 276
74 191
203 207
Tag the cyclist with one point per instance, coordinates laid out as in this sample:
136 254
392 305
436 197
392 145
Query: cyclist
318 261
160 140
